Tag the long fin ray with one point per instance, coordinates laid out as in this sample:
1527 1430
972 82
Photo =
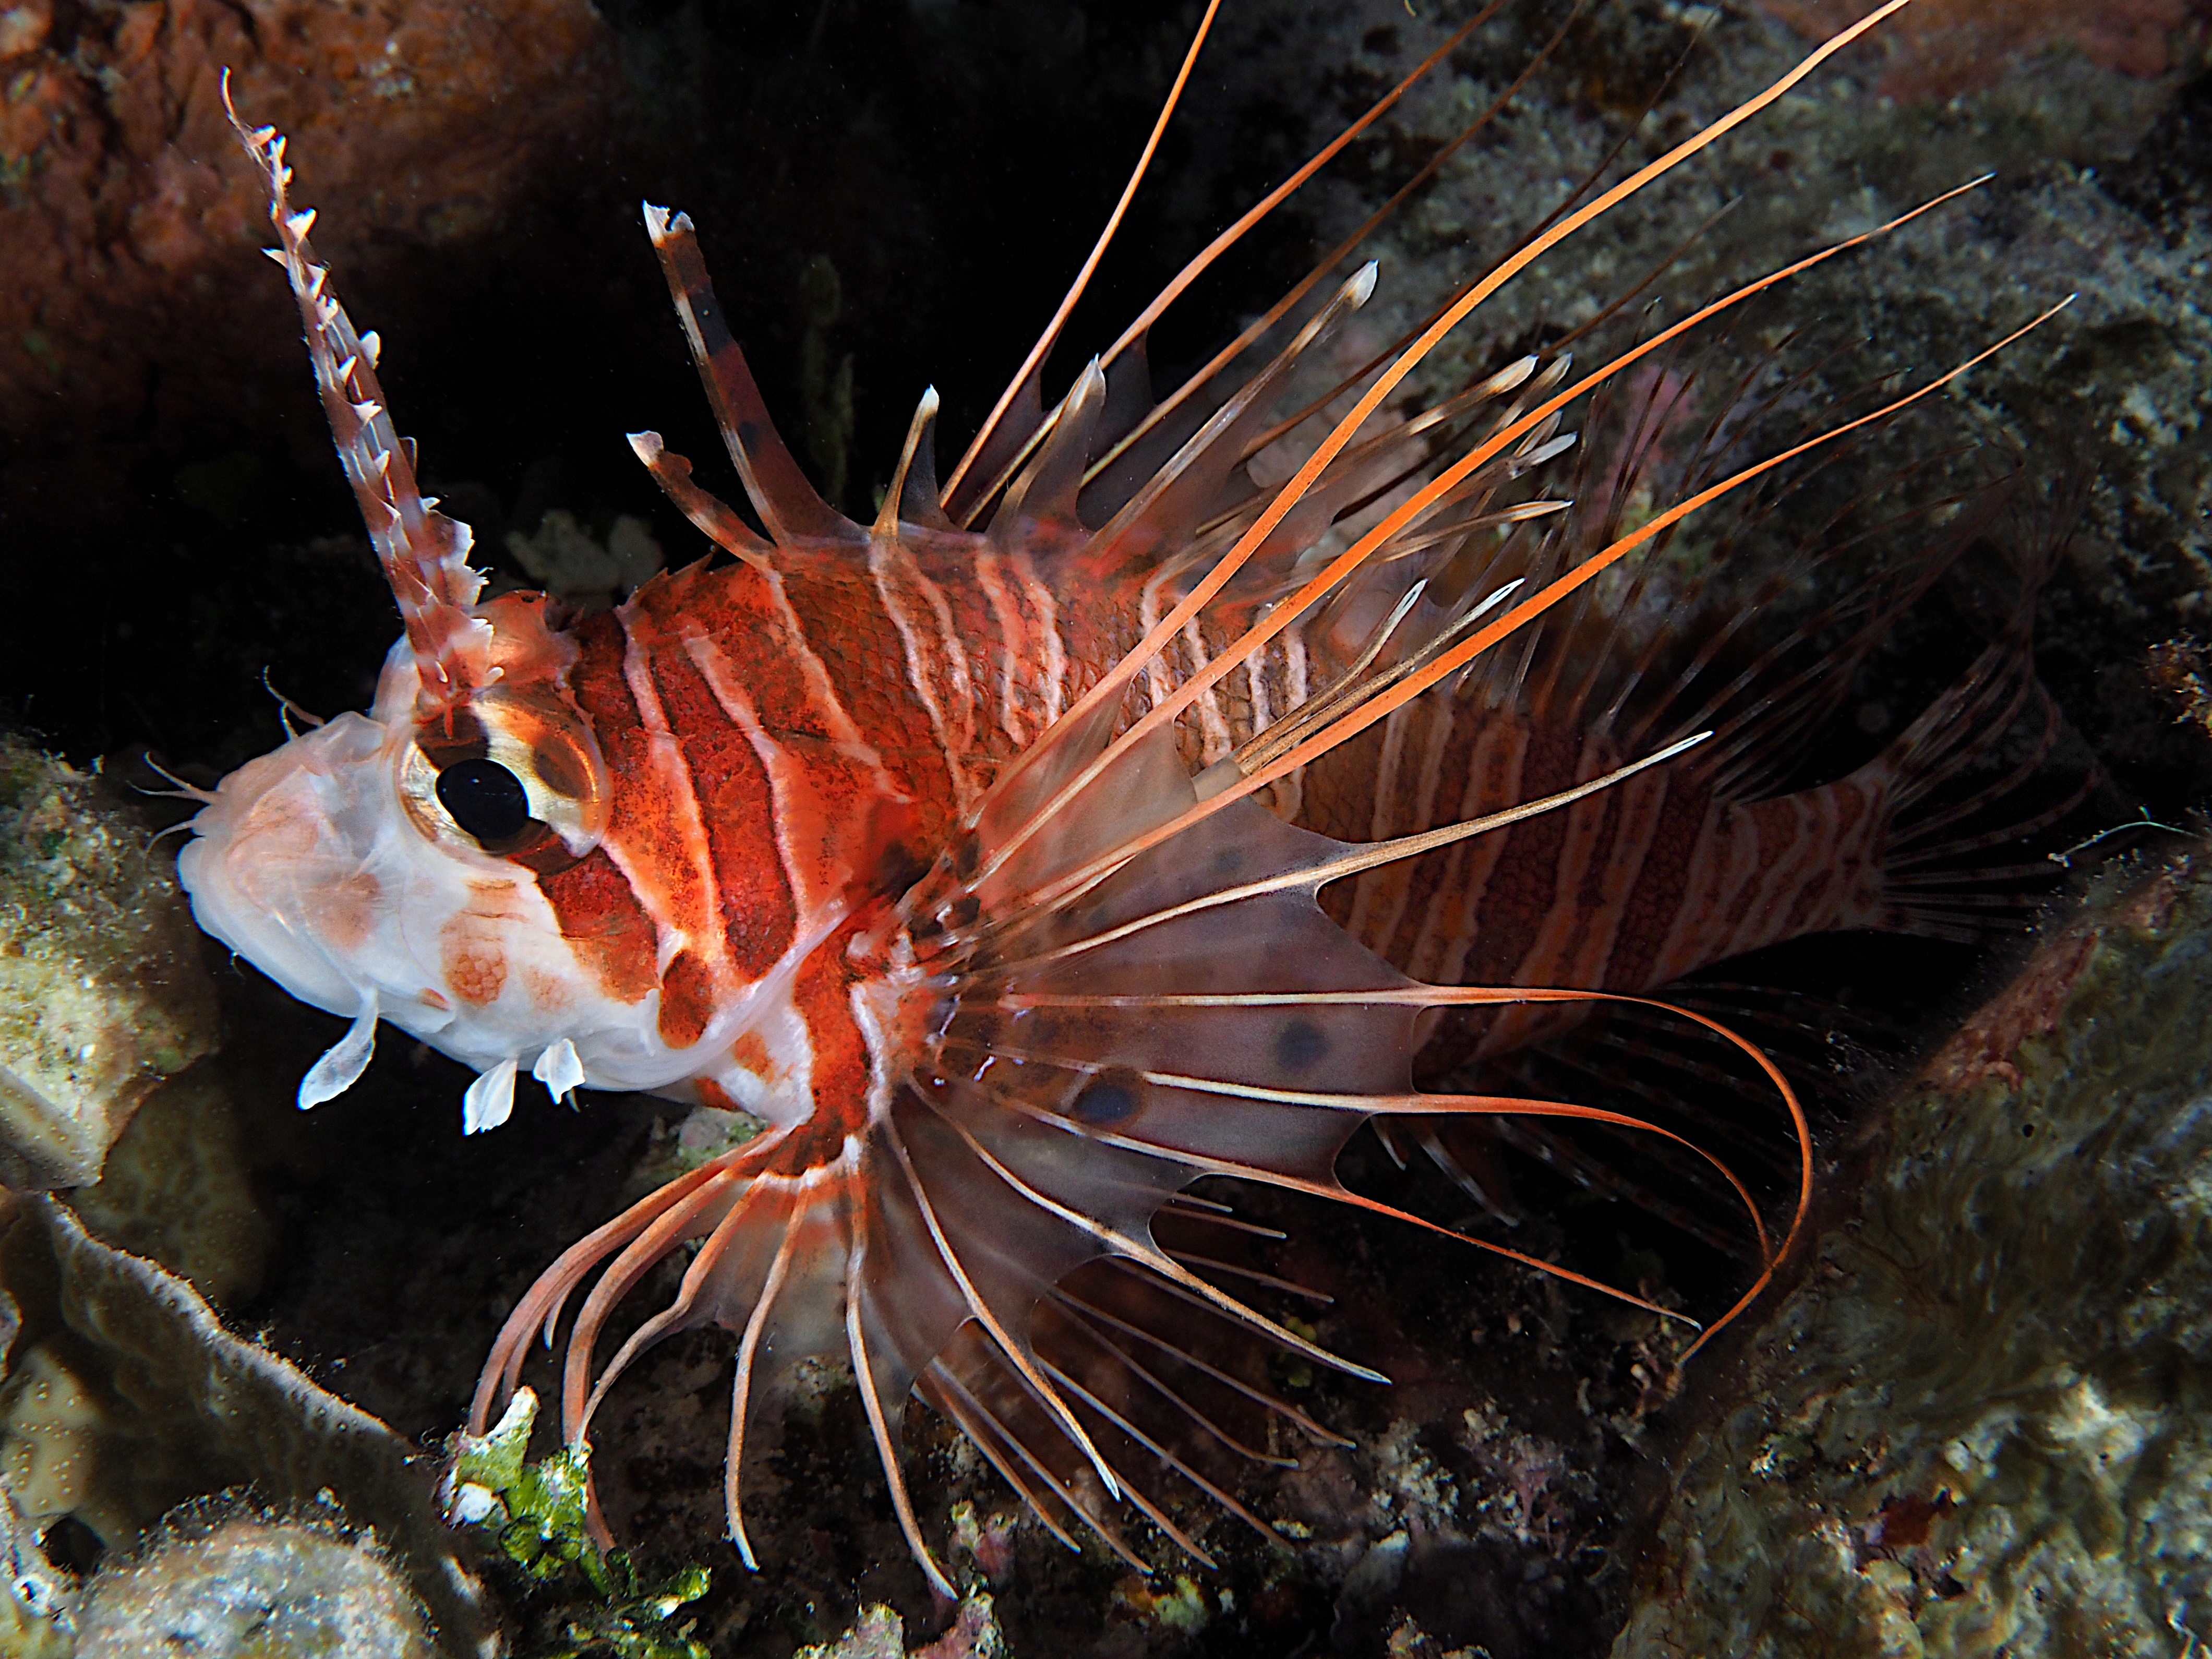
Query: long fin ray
789 506
741 1394
1026 377
1109 687
1378 708
1128 456
1013 1349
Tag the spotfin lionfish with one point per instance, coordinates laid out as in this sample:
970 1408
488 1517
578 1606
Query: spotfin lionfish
979 850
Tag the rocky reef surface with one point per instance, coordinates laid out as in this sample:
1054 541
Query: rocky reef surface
1968 1423
102 996
1978 1424
127 226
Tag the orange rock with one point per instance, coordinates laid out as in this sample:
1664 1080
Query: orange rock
128 218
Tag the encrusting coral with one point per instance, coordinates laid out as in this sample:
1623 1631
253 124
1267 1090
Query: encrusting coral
102 990
254 1588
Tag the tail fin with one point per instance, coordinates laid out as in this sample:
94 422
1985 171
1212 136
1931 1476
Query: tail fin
1933 884
1943 821
1968 778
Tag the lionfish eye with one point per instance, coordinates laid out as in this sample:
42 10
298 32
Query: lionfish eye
485 798
516 772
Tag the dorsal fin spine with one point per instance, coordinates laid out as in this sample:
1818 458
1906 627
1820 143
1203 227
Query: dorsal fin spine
789 506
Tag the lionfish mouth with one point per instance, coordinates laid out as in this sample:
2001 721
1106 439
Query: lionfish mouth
1116 977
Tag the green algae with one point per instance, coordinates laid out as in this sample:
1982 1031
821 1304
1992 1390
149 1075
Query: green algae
539 1511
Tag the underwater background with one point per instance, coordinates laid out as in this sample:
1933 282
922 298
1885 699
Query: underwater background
1971 1421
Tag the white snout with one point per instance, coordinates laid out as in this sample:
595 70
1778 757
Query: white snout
284 865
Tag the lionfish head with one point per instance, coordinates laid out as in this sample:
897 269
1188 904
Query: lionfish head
388 864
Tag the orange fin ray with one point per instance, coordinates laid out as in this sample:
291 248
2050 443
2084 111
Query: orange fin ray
1380 706
1110 687
1011 1346
1133 455
736 1218
539 1311
741 1392
995 437
1187 488
1013 1452
1167 1458
1095 1320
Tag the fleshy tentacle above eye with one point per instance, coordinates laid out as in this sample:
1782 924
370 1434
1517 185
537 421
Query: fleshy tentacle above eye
423 552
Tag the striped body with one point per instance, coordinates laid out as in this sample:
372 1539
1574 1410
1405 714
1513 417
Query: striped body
782 741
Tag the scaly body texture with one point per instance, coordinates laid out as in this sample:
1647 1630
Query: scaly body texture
944 845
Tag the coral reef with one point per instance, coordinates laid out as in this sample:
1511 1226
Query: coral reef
102 994
1978 1423
1478 1500
38 1608
253 1589
125 1397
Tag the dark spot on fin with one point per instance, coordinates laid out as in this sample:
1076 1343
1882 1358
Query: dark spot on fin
1301 1045
1106 1101
896 870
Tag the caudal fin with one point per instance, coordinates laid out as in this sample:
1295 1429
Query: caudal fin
1971 784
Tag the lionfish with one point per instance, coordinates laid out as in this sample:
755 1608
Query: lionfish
1003 855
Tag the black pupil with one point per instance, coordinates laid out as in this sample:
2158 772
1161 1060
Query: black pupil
485 798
